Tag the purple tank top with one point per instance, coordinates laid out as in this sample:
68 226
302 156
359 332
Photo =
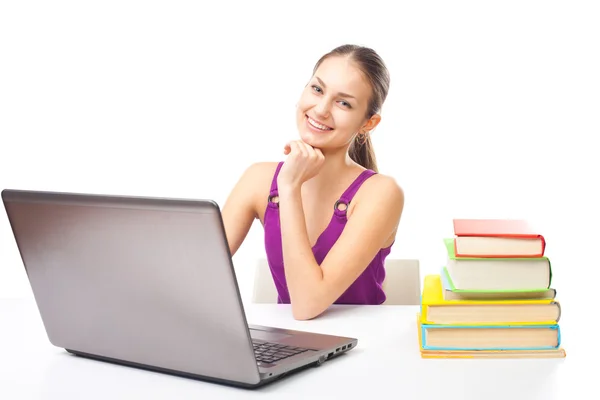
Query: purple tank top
366 289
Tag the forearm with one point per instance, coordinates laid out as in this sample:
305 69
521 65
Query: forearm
303 275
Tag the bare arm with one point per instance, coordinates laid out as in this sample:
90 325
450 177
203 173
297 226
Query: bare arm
241 207
313 288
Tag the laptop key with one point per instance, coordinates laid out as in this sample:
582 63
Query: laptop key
268 353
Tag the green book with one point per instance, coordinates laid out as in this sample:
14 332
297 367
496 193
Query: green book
479 274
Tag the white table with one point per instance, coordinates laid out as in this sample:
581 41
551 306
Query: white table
386 364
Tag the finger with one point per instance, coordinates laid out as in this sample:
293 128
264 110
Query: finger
319 154
308 146
302 148
289 148
310 150
313 152
295 148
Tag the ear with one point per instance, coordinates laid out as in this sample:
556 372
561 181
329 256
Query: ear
371 123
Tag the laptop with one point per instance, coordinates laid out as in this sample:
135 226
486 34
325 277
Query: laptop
149 283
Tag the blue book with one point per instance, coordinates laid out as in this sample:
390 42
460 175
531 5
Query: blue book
490 337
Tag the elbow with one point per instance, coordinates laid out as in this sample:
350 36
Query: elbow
306 310
302 315
310 302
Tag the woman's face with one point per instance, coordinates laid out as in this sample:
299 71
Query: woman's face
333 106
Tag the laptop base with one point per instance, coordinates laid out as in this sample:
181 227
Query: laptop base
187 375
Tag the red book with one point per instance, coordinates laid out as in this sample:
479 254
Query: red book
497 238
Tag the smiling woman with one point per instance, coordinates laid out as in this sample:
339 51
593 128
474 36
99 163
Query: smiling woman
367 86
330 218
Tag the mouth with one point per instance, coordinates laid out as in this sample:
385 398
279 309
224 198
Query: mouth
316 125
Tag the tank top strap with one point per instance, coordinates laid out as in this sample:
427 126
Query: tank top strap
274 191
353 188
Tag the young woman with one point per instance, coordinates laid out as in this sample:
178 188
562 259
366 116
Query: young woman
330 218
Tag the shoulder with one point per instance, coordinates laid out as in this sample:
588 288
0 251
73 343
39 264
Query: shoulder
384 185
260 171
382 191
255 183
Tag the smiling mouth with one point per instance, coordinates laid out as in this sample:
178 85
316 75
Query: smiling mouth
317 125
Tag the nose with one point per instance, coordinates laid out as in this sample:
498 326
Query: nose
322 108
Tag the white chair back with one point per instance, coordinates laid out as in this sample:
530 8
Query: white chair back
402 284
264 288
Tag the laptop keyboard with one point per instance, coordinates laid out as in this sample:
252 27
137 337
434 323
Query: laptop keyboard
268 353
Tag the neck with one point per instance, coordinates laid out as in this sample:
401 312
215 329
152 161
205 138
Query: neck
335 167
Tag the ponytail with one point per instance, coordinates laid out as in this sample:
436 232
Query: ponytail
362 153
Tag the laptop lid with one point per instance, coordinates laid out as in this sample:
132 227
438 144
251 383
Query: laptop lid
147 281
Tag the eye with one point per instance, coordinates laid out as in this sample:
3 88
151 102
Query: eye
345 104
317 89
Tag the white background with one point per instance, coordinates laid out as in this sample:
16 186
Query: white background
492 111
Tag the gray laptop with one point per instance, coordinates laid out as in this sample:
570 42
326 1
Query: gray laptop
149 283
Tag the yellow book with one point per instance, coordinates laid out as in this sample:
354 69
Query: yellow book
470 354
439 311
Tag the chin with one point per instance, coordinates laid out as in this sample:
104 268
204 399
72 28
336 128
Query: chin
312 139
307 137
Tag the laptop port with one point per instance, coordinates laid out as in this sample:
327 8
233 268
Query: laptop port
330 355
344 348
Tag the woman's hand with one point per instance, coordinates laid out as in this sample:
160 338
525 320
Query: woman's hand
303 162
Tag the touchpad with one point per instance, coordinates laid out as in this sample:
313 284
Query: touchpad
267 336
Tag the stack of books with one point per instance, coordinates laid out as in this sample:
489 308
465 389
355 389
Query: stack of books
493 298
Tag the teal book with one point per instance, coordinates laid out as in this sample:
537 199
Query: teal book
490 337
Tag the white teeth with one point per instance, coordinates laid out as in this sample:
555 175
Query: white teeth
317 125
